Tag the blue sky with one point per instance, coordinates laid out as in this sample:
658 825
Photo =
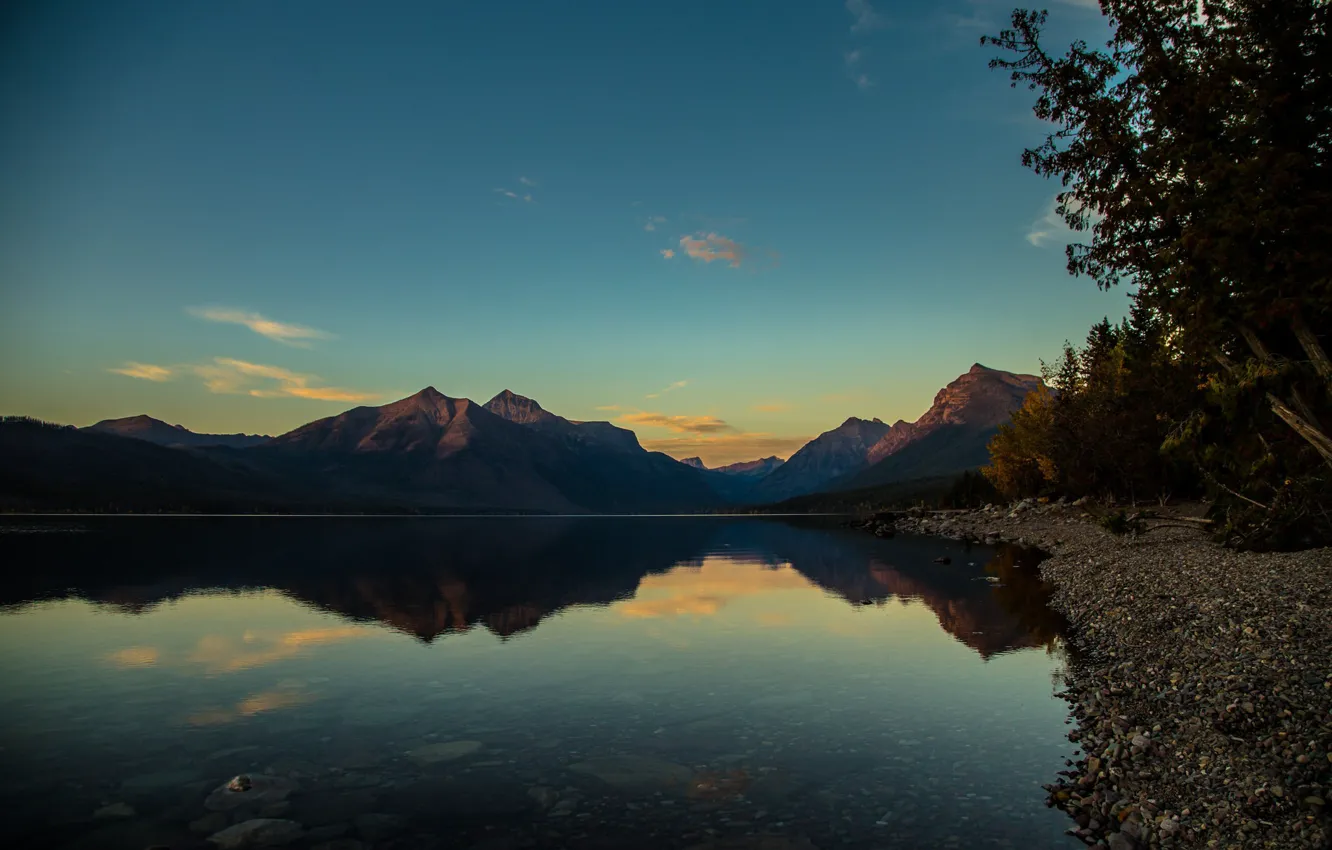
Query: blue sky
728 225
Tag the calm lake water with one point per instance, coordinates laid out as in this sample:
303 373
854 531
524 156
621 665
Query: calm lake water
502 683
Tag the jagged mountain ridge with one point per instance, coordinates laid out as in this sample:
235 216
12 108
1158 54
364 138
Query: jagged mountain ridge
521 456
951 436
824 459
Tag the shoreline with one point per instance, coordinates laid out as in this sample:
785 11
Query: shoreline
1201 694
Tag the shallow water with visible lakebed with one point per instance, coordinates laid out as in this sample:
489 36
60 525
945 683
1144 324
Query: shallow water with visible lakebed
489 683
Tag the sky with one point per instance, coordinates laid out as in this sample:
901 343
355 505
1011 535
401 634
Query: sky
726 225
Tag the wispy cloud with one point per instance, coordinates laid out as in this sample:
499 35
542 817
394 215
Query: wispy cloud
678 385
145 371
971 22
679 424
653 221
226 375
611 407
713 246
866 19
772 407
668 253
283 332
525 198
717 449
853 57
527 181
863 82
1051 229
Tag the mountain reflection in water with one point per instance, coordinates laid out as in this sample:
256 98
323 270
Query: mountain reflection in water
433 578
489 683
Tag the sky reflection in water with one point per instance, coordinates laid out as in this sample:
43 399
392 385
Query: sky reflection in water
844 686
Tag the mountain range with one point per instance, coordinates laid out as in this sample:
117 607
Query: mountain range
433 453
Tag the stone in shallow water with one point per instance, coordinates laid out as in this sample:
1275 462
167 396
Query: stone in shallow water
115 810
209 823
635 772
259 832
376 827
447 751
262 790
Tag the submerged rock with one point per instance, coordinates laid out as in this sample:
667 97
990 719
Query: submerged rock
114 811
447 751
257 790
259 832
635 772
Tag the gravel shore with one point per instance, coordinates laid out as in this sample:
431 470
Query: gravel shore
1201 684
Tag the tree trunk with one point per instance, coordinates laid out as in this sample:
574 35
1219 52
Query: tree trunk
1308 430
1309 342
1306 426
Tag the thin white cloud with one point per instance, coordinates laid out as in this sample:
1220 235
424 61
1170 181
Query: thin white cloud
286 333
612 407
866 19
145 371
678 385
653 221
512 195
668 253
527 181
709 247
853 56
863 82
971 22
226 375
1051 229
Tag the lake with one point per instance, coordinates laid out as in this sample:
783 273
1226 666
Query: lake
489 683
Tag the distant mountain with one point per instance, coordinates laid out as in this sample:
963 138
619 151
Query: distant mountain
156 431
509 454
952 436
749 468
828 457
695 462
525 411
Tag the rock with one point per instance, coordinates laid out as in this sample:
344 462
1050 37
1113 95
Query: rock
114 811
260 790
375 827
259 832
1141 741
944 559
1120 841
543 795
210 823
635 772
328 832
240 783
341 844
447 751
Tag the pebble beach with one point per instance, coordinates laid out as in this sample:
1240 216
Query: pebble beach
1200 685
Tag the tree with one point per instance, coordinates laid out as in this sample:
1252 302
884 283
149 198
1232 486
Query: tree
1194 151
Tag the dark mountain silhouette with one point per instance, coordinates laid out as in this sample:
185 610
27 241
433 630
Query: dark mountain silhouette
751 468
156 431
695 462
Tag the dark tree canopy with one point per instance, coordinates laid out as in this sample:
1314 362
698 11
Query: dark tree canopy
1193 151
